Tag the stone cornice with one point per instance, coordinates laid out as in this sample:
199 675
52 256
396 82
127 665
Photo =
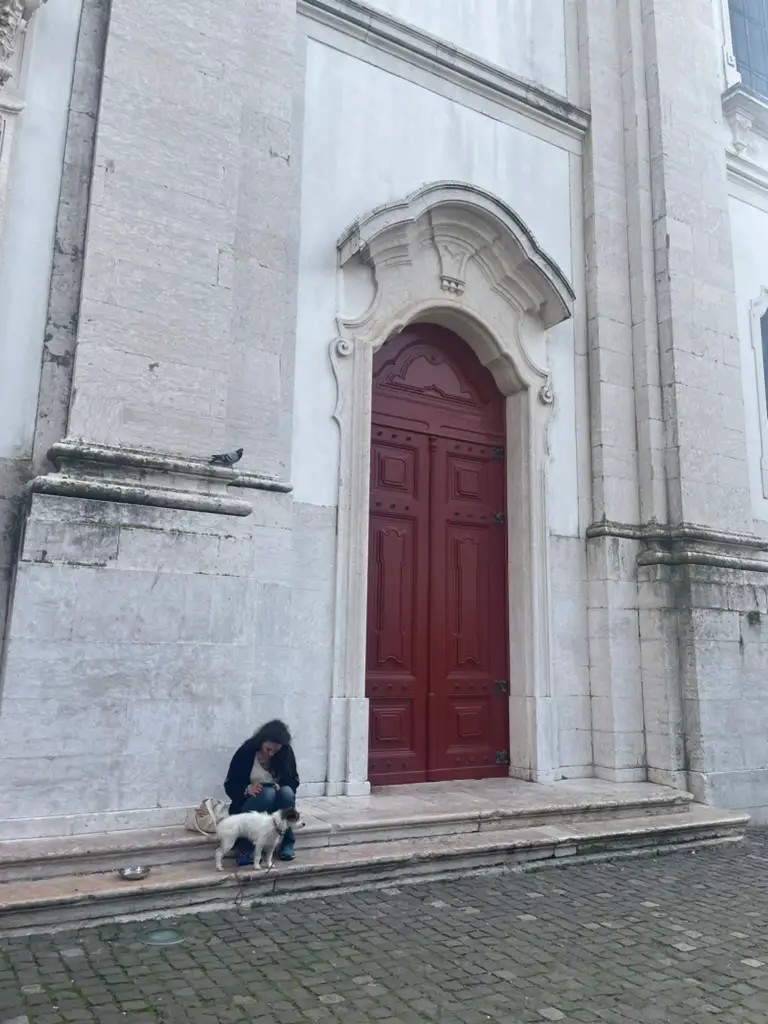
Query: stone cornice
142 477
681 531
740 101
433 54
688 544
746 115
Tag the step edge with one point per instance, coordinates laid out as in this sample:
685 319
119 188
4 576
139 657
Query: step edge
25 922
298 870
185 838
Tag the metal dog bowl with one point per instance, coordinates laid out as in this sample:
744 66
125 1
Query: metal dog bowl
134 874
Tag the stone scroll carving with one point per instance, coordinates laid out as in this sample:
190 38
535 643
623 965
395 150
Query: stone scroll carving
14 18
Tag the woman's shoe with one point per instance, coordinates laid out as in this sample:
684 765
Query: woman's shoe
245 860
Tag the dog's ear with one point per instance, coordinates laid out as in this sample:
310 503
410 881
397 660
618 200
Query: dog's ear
291 814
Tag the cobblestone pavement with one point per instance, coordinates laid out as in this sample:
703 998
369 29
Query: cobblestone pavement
673 939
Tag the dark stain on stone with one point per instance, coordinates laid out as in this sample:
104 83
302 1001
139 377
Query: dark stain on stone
64 360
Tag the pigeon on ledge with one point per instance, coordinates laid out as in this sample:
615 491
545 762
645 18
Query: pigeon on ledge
228 458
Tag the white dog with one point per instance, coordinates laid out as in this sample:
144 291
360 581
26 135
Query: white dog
264 830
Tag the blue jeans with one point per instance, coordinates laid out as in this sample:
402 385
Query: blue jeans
269 800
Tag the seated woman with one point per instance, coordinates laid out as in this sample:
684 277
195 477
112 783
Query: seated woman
262 776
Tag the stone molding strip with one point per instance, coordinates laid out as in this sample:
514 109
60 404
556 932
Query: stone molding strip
10 104
141 477
687 544
441 58
133 494
142 459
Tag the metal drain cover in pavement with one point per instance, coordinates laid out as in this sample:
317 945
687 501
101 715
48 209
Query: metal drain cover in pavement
162 937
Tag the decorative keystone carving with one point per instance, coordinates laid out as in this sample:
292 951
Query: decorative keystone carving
453 258
14 18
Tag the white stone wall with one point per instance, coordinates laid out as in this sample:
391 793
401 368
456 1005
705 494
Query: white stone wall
749 228
30 215
33 120
724 643
385 158
526 37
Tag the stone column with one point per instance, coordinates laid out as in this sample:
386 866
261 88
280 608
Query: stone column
701 372
152 602
186 317
694 571
617 711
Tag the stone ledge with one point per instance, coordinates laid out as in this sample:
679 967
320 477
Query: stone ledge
162 497
143 477
431 53
688 544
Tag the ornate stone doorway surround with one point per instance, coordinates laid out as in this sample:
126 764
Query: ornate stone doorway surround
454 255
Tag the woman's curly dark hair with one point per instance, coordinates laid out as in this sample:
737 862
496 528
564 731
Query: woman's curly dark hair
272 732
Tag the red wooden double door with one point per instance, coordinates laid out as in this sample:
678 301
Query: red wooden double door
437 655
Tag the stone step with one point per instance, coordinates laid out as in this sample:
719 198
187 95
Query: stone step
398 813
70 900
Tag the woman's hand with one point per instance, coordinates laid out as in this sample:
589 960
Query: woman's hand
254 789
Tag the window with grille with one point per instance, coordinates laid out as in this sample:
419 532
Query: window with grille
749 30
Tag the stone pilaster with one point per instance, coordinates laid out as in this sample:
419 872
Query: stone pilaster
153 601
185 341
617 716
690 632
701 374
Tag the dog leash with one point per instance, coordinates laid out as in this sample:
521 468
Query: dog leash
242 885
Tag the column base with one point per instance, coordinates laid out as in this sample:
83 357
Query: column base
348 747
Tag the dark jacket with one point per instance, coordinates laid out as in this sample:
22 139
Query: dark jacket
282 766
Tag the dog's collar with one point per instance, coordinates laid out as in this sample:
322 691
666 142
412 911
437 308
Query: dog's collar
281 825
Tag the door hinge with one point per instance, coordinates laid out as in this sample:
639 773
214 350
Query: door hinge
500 685
499 518
497 454
502 757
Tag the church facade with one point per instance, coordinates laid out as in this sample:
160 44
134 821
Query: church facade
481 290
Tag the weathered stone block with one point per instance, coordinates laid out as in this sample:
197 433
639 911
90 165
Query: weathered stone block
93 544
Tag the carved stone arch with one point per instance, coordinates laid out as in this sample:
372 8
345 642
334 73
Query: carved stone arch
454 255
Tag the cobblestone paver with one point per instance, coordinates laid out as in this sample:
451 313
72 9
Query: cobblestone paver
671 939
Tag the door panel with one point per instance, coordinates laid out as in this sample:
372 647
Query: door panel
398 599
467 712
